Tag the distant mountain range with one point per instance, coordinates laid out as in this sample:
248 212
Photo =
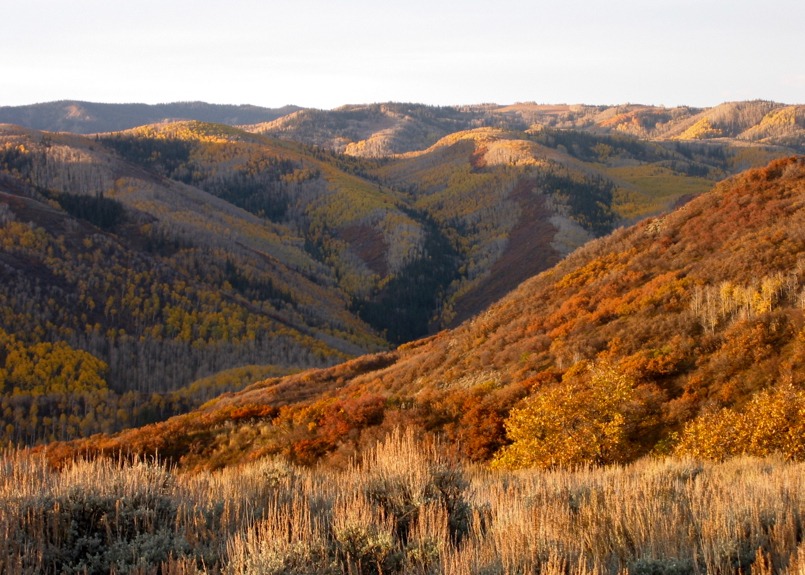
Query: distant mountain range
381 129
89 117
377 130
154 267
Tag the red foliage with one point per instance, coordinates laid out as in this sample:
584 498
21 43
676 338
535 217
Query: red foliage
246 412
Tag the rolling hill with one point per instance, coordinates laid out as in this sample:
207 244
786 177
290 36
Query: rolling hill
379 130
571 286
635 343
157 266
383 129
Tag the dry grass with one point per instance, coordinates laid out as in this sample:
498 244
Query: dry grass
404 509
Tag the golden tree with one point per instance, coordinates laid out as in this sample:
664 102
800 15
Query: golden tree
584 419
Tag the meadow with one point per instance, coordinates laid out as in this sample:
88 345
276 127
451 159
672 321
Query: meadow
404 507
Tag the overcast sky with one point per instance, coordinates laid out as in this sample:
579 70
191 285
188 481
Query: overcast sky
327 53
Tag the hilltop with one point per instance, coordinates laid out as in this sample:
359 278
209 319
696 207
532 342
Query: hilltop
630 343
383 129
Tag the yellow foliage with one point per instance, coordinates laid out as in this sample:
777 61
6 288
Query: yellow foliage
48 368
780 117
772 423
701 130
651 188
575 422
714 305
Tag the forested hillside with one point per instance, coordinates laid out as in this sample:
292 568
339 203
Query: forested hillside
147 270
121 288
682 334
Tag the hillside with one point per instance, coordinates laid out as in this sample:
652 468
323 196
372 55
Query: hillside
417 240
514 202
383 129
374 130
90 117
630 345
364 233
121 288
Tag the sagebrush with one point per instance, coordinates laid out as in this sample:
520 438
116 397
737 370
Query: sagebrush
404 508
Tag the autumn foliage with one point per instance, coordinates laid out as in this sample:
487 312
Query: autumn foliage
142 270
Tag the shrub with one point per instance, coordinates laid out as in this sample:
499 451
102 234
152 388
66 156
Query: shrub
772 422
578 421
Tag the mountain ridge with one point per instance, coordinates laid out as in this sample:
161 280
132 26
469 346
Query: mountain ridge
382 129
90 117
376 130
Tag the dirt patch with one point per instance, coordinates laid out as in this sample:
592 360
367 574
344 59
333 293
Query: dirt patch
369 245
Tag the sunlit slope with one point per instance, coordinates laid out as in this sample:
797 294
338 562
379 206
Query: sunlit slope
373 130
363 232
379 130
679 316
505 203
349 224
180 212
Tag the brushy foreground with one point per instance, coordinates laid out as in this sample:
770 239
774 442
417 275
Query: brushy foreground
404 509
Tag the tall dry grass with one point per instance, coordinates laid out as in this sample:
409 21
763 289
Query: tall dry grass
405 508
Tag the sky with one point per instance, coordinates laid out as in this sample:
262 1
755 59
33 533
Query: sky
329 53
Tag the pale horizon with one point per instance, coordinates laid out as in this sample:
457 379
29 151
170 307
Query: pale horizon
324 55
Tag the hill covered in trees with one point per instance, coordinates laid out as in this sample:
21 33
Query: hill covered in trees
122 287
147 270
583 301
383 129
681 334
